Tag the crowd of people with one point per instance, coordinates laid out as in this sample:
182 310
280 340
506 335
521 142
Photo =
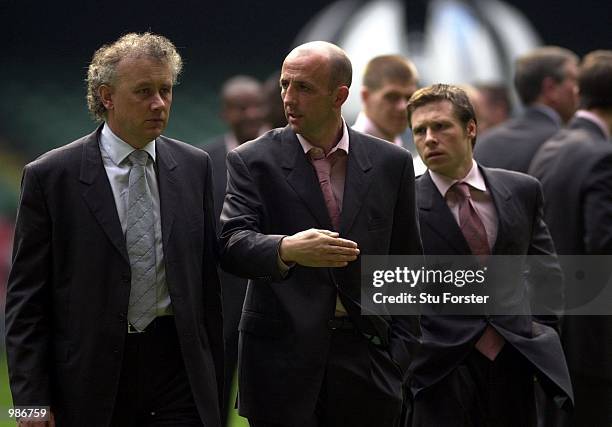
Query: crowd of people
147 272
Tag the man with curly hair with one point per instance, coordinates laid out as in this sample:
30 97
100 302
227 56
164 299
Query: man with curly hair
113 309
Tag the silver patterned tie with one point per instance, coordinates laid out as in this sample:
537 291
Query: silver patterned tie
140 240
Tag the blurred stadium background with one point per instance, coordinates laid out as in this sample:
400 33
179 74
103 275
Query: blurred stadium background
46 47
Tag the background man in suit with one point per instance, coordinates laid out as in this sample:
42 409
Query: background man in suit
496 105
545 80
242 109
575 168
483 366
113 310
388 83
307 356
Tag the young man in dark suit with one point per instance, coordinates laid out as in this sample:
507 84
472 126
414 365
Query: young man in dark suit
302 204
575 168
478 370
113 309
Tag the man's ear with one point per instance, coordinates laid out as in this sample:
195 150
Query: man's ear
471 129
365 95
342 93
106 95
547 88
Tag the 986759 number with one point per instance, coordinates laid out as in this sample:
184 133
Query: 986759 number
40 413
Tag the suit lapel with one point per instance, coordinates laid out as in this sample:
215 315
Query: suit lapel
168 188
98 194
302 178
434 211
504 207
357 180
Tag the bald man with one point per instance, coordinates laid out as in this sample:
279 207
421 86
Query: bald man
303 204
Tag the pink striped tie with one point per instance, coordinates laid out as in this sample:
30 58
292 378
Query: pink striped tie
323 167
491 342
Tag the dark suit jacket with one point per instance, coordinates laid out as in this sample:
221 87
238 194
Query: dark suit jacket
217 151
234 287
447 340
69 287
511 145
575 168
273 191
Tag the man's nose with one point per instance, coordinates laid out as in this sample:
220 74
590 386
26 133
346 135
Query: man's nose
288 95
430 137
157 101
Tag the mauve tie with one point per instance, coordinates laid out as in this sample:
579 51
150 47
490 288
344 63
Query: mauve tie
491 342
323 167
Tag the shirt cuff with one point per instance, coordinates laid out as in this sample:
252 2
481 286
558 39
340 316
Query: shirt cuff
282 267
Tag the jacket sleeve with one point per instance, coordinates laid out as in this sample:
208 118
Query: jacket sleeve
245 250
544 274
406 240
213 305
28 312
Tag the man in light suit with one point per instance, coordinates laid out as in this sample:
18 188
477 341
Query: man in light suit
575 168
478 370
113 310
302 204
545 80
242 109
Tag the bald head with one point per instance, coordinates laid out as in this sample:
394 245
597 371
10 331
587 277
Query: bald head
340 68
242 107
314 84
239 84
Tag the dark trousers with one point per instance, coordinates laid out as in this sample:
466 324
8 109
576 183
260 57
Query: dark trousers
593 402
234 289
361 387
153 388
481 393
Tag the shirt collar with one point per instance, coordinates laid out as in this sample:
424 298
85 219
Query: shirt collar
474 179
117 149
545 109
587 115
365 125
343 144
231 141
